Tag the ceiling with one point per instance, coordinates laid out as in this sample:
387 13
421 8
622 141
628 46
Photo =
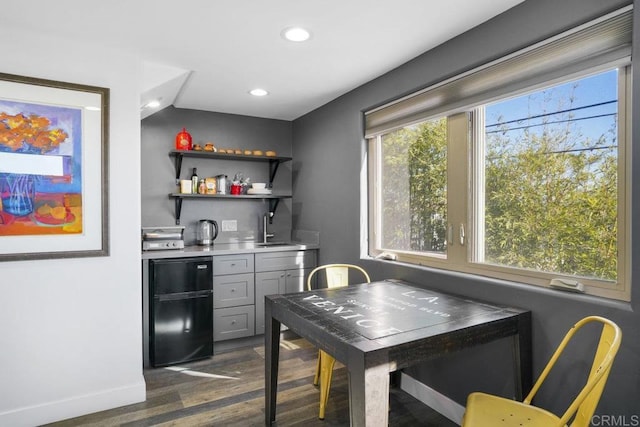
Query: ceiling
207 54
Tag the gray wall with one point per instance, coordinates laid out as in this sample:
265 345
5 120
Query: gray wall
225 131
328 156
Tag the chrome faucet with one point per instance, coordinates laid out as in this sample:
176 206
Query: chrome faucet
265 234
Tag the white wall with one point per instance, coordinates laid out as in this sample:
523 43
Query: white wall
70 329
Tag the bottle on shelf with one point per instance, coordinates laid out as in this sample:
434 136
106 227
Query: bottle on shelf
183 140
194 181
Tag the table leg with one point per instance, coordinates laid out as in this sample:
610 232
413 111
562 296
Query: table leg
271 357
523 357
368 395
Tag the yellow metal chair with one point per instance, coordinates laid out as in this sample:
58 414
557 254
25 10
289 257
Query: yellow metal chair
485 410
336 275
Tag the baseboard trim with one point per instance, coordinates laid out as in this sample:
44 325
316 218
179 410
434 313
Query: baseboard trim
436 401
75 406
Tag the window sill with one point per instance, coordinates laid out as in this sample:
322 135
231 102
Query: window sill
500 284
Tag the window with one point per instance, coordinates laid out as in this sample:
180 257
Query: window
550 170
414 188
522 179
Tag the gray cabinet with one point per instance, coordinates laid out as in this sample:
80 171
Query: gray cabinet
233 296
279 273
267 283
232 264
285 260
233 322
233 290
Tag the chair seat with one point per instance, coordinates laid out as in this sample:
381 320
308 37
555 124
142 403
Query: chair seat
485 410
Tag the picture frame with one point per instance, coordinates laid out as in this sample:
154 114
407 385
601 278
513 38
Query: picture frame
54 163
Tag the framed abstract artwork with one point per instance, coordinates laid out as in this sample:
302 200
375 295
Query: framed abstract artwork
54 152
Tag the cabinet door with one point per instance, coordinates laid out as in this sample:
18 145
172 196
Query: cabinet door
296 280
267 283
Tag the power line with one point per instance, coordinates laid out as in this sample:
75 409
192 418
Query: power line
576 150
553 113
549 123
573 150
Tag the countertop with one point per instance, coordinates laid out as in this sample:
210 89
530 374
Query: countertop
229 248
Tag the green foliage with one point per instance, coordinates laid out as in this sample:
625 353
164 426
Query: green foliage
551 204
415 215
550 197
428 187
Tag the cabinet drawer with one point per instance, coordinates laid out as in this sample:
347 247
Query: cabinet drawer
233 290
232 264
233 322
286 260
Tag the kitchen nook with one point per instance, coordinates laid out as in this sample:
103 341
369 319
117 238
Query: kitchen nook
173 173
239 235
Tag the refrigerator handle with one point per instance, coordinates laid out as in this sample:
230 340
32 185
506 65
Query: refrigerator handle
183 295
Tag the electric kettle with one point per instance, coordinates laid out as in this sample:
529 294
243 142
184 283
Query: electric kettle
206 232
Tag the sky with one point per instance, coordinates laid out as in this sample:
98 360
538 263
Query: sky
586 92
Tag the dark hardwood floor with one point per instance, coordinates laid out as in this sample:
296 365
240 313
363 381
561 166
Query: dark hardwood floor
228 390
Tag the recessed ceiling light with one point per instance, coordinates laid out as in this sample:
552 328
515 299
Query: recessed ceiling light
296 34
258 92
153 104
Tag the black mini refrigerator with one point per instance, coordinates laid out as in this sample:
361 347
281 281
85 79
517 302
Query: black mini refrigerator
180 310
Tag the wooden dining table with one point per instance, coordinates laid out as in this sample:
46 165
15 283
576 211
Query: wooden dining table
382 327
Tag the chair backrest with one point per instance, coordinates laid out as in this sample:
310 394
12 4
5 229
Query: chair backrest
337 275
584 405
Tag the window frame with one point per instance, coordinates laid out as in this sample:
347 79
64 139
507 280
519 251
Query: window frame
464 258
